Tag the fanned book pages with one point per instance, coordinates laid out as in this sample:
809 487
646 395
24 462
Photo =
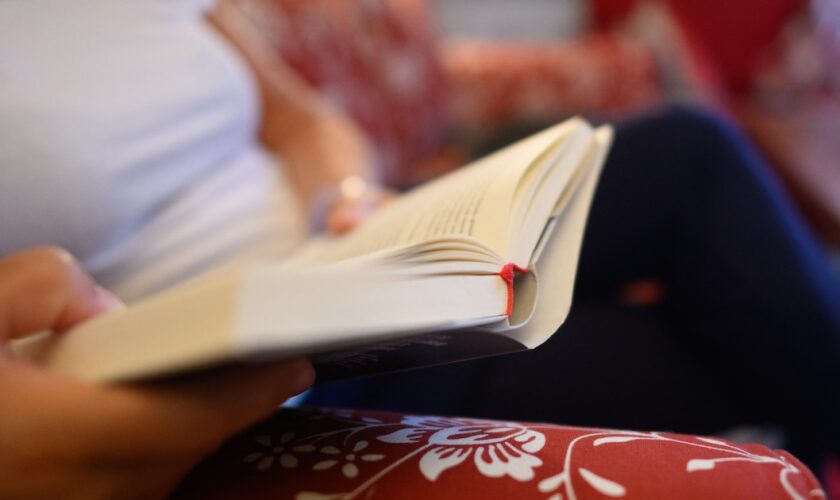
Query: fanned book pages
478 262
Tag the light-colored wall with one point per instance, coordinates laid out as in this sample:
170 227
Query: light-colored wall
524 19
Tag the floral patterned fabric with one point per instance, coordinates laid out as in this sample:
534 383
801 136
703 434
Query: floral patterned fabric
382 61
495 82
315 454
376 60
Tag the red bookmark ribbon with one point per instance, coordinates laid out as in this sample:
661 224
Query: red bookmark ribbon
507 273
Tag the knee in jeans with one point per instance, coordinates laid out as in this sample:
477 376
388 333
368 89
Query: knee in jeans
704 125
708 138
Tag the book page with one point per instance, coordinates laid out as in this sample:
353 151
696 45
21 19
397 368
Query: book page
557 259
473 203
433 212
548 194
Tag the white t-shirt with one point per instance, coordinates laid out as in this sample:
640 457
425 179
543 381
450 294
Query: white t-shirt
128 136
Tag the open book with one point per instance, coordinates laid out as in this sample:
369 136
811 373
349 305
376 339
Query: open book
478 262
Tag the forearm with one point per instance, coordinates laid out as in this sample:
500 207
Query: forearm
320 145
287 101
61 437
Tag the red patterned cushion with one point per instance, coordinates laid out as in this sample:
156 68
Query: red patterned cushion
333 454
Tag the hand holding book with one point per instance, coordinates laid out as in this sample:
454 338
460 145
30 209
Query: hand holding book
340 208
60 437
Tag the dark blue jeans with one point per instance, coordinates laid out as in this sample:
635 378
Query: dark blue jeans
748 331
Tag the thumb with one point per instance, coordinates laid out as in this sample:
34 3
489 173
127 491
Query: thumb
151 419
346 216
45 288
351 211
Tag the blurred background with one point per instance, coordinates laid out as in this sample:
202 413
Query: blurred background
435 83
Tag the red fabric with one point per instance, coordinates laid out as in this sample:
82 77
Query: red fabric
332 454
377 60
832 477
607 14
497 82
735 35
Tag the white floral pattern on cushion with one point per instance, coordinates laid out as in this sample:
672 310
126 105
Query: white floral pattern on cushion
342 454
265 457
499 449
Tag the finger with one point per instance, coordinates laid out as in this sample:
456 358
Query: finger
45 288
349 213
344 217
185 418
225 401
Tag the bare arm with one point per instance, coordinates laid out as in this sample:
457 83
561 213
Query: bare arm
319 144
62 438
